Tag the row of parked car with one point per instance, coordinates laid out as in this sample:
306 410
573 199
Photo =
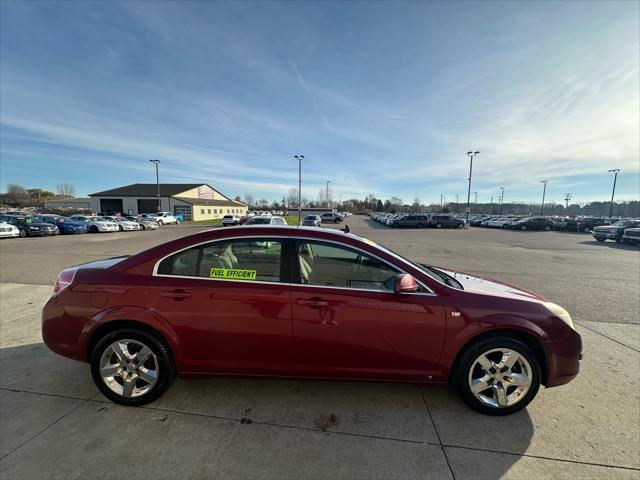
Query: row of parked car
18 225
417 220
267 218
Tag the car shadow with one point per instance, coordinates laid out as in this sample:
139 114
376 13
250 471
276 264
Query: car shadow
432 415
611 244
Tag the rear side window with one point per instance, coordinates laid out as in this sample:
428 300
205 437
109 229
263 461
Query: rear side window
246 259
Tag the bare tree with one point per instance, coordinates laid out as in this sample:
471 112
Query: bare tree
292 198
249 200
65 190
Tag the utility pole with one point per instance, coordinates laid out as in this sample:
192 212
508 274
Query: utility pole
441 202
491 206
544 191
299 158
476 199
157 183
567 197
471 155
613 192
501 198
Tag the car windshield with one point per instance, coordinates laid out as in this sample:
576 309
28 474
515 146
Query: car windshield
260 221
622 223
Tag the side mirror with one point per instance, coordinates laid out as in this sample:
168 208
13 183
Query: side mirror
405 283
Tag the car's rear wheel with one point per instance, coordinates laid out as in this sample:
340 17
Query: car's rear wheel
599 239
22 232
498 376
420 225
93 229
120 228
132 367
523 227
547 228
461 225
438 225
160 222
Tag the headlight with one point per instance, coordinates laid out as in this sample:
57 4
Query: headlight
34 228
559 312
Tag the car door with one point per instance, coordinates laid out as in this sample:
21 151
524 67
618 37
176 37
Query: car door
349 323
229 303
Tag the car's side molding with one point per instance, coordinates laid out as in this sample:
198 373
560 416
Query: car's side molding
131 314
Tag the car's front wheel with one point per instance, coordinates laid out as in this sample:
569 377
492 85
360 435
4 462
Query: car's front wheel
497 376
132 367
22 232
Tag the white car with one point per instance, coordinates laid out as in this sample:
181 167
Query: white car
163 218
96 224
7 230
266 220
230 220
124 224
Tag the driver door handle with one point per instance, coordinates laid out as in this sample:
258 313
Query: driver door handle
177 294
313 302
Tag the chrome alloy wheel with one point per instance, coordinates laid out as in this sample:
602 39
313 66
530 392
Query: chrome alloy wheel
500 377
129 368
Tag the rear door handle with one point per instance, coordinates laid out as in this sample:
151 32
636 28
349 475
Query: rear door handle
313 302
177 294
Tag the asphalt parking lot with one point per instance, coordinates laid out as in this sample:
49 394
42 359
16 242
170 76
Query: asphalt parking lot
54 423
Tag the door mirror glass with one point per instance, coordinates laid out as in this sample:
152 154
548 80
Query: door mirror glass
405 283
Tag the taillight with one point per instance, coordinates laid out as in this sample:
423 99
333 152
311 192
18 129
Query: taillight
65 278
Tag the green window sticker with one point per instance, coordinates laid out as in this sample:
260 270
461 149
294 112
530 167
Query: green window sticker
232 274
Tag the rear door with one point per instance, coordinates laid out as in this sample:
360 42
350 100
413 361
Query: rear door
348 322
229 302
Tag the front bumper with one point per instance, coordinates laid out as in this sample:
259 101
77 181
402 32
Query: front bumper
563 358
609 235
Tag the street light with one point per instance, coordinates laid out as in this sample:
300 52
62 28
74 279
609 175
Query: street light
501 198
567 197
299 158
471 155
157 182
544 191
476 199
613 192
328 182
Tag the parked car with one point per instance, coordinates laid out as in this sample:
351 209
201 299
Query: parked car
410 220
64 225
123 223
445 221
30 226
230 220
7 230
631 236
312 221
532 223
266 220
96 224
143 223
581 224
614 231
308 296
330 218
162 218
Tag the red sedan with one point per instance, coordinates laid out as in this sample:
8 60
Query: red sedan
295 302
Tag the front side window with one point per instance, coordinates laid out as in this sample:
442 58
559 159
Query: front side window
243 259
329 265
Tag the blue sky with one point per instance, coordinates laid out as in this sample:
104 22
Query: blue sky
381 98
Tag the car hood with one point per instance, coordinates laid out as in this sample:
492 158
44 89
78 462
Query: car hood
609 227
491 286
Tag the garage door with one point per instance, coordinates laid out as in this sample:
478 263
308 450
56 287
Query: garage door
111 206
147 205
184 210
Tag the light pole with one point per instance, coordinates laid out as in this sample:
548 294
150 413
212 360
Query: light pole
567 197
476 198
157 182
544 192
613 192
299 158
327 194
501 198
491 206
471 155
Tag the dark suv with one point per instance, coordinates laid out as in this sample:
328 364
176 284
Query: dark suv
30 226
615 231
413 221
445 221
586 224
532 223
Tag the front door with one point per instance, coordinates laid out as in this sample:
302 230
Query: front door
349 323
229 303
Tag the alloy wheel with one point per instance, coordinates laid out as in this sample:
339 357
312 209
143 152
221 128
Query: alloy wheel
129 368
500 377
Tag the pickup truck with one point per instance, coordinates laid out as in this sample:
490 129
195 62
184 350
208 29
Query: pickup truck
614 231
163 218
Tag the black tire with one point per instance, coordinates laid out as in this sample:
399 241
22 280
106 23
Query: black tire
120 228
460 225
160 222
460 374
166 366
547 228
438 225
420 225
395 224
619 240
523 227
586 229
599 239
142 227
22 232
177 222
337 220
93 229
